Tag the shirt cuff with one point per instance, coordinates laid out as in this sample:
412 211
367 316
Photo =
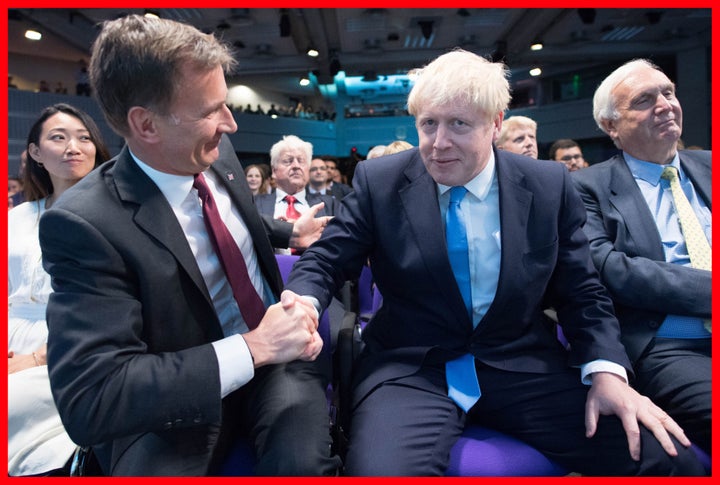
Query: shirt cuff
235 363
601 365
315 303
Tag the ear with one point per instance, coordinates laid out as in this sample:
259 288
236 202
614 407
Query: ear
610 127
497 124
143 124
34 152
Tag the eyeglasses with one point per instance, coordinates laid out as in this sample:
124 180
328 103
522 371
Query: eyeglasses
316 169
567 158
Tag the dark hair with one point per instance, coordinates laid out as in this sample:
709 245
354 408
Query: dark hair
137 61
36 179
561 144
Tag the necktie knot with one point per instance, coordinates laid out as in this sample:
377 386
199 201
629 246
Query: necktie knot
670 173
291 213
457 194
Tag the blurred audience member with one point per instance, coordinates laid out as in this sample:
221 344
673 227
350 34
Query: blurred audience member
518 134
396 147
290 160
376 151
63 146
257 179
568 152
318 177
335 187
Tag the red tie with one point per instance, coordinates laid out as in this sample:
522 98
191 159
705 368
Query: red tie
231 259
291 214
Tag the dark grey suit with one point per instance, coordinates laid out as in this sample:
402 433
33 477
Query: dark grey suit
131 364
627 250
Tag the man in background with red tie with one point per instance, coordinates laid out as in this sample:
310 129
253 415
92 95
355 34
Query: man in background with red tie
290 159
169 337
650 230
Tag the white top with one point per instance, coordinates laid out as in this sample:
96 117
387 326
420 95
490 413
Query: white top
37 441
28 283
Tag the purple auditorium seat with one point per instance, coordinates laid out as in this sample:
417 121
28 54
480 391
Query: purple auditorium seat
482 452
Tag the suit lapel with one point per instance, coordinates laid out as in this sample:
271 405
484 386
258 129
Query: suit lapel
515 201
699 174
154 215
228 171
421 206
630 204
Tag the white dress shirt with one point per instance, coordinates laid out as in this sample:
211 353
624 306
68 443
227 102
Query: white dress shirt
234 358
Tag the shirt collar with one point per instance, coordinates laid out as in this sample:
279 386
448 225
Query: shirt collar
480 185
648 171
175 188
280 195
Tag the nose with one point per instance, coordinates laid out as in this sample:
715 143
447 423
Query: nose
72 146
442 138
227 124
662 103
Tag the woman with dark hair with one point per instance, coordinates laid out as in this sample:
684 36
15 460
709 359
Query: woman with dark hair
63 146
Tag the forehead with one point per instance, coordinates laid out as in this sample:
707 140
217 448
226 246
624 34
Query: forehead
451 110
62 120
641 80
317 161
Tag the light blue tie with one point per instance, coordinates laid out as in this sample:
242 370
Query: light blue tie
461 376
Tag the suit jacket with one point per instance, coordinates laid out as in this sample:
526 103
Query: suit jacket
626 248
131 321
393 217
339 190
265 204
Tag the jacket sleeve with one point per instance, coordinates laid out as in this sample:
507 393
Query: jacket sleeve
105 381
634 279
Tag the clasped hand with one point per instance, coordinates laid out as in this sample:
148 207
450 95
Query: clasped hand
287 332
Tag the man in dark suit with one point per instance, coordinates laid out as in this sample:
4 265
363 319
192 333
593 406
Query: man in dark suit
437 325
154 358
335 187
662 296
290 160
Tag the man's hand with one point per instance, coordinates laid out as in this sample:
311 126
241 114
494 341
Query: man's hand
610 394
308 228
287 332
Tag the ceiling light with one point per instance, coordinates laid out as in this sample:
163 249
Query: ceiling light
304 81
536 45
535 71
312 52
33 34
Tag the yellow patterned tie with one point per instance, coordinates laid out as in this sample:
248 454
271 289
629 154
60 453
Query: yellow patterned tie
697 244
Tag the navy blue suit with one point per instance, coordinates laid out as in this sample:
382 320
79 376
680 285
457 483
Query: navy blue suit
627 250
403 422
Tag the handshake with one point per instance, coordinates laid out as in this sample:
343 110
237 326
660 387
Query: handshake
287 332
